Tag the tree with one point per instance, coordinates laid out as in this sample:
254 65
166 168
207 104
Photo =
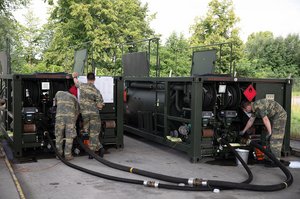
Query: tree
175 56
99 25
279 56
7 23
219 26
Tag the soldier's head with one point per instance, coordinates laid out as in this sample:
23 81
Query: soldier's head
246 106
91 77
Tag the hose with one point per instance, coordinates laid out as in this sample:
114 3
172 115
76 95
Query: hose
190 181
126 180
202 185
251 187
250 175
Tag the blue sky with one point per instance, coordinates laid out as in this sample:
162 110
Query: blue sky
278 16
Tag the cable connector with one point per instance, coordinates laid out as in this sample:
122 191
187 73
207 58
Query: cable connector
151 184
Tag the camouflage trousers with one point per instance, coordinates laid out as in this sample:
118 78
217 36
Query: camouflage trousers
278 131
65 127
92 125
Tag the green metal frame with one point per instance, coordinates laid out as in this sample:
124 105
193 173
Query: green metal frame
13 112
199 146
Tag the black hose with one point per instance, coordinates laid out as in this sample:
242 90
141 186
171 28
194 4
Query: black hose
166 178
250 187
131 169
250 175
126 180
203 184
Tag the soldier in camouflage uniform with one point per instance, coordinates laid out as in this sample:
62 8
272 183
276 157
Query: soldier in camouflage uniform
67 112
268 110
91 101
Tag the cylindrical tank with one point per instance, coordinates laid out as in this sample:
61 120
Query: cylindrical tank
142 102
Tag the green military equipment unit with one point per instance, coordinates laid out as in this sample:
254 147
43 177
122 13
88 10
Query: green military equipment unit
28 110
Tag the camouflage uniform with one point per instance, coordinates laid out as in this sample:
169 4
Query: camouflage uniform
65 121
277 115
90 96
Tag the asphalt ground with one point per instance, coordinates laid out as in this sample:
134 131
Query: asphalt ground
50 178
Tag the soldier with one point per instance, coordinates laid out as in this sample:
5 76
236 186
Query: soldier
268 110
91 101
67 112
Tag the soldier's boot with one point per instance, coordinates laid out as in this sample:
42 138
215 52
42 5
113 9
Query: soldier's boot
69 158
61 155
101 152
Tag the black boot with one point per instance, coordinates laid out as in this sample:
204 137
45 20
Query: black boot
101 152
90 157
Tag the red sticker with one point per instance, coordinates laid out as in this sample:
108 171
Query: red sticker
250 93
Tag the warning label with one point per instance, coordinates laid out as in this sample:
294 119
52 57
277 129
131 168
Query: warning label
250 93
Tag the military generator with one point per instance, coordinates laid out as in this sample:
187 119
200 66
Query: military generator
191 113
28 109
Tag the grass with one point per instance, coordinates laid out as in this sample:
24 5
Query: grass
295 122
295 93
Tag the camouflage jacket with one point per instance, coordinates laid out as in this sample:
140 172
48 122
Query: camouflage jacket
269 108
89 97
67 104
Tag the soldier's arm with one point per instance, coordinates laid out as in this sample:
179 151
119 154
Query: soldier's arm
249 124
99 100
75 79
267 124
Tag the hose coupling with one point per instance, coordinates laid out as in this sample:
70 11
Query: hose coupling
219 140
197 182
151 184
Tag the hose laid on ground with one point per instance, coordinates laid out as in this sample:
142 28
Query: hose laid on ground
251 187
190 181
203 185
126 180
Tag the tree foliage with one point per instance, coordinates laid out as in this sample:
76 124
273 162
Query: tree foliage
99 25
219 26
276 56
7 22
175 56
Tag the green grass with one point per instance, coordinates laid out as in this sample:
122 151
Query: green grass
295 122
295 93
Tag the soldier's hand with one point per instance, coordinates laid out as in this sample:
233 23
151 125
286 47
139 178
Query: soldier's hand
241 133
268 137
74 74
100 106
